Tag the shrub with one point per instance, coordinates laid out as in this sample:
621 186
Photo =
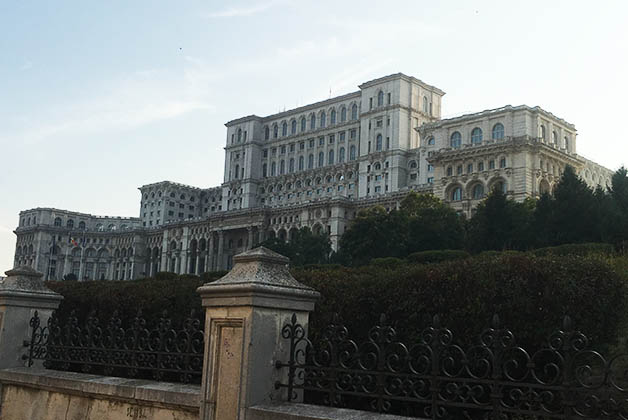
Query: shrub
388 262
426 257
582 250
531 295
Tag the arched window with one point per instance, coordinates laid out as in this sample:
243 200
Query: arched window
310 161
343 114
476 136
323 119
450 171
341 155
266 133
352 153
378 143
431 141
478 191
313 122
554 138
70 224
567 143
58 221
301 162
273 169
413 164
499 186
303 122
239 135
291 165
81 225
542 132
275 131
284 129
282 167
332 117
237 171
354 112
456 140
330 159
377 166
380 98
426 107
456 194
321 159
293 128
264 170
498 132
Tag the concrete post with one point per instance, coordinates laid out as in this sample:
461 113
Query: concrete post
21 294
244 314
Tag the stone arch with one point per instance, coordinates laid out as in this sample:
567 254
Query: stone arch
544 187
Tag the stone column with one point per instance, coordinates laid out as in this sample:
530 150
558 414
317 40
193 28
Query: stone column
245 312
221 244
21 294
210 252
249 244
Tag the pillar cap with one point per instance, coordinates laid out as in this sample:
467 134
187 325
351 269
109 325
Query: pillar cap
24 279
258 272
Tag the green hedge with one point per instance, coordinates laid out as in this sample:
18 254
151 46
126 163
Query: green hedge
530 293
425 257
387 262
582 250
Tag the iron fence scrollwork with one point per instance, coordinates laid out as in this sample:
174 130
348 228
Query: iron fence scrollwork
135 351
438 379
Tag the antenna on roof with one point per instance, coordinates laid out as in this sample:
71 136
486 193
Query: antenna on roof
330 92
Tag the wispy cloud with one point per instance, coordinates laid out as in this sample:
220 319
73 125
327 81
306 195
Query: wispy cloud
26 66
242 11
141 98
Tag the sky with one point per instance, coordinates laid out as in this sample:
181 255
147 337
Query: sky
99 98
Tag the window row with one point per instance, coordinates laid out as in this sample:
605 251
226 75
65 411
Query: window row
555 142
300 164
314 122
70 223
476 191
497 133
470 167
311 143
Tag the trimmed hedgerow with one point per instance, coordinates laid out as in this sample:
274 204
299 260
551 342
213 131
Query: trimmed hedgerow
582 250
387 262
531 294
436 256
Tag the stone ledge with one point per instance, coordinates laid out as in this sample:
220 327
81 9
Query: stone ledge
296 411
164 394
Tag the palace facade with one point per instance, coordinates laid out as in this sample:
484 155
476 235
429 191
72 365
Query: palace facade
313 166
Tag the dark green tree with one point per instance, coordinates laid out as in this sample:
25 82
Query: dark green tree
500 223
431 224
304 248
374 233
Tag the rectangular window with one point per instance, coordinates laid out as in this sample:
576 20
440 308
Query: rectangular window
389 99
459 170
292 147
311 142
265 152
413 177
430 180
502 163
378 177
430 168
370 103
302 145
274 151
331 139
379 123
283 150
491 164
378 189
341 136
352 134
480 166
321 141
469 168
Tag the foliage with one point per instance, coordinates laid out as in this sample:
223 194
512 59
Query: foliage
531 294
388 262
426 257
304 248
582 250
422 222
500 223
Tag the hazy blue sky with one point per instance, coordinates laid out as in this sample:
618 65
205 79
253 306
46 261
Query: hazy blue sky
98 98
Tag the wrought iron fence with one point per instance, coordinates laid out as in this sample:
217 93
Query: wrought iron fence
438 379
135 351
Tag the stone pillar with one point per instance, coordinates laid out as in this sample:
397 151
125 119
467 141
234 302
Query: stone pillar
221 244
21 294
245 312
210 252
260 232
249 244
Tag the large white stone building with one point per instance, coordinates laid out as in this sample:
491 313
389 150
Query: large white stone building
313 166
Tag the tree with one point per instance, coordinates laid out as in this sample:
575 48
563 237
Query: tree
500 223
374 233
70 277
304 248
431 224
